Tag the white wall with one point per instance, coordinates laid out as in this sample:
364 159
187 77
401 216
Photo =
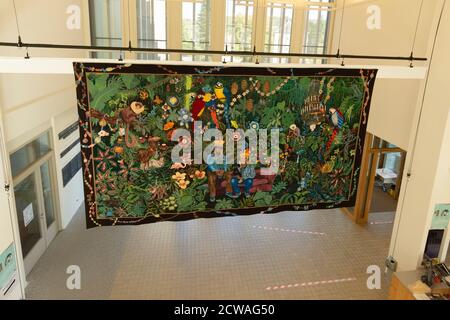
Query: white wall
6 229
41 21
429 165
393 100
71 196
49 103
31 104
392 110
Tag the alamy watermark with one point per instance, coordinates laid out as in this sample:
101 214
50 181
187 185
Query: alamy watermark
73 281
241 147
374 280
73 21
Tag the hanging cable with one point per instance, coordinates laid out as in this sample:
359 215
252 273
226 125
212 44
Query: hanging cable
415 33
19 39
129 25
338 55
254 54
256 28
224 61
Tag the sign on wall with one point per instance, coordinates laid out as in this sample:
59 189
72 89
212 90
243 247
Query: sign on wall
177 142
441 217
28 214
8 270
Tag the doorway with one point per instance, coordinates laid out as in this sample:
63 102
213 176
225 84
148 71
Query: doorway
388 177
32 168
380 180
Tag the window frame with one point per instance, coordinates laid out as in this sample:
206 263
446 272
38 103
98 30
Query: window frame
192 43
230 46
284 6
93 37
331 6
138 40
218 26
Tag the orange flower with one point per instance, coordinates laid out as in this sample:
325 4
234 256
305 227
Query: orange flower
183 183
143 95
118 149
179 176
327 167
199 174
169 125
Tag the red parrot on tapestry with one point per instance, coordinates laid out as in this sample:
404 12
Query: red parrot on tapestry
201 101
337 119
198 106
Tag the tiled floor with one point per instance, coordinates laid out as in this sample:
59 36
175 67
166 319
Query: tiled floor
291 255
382 202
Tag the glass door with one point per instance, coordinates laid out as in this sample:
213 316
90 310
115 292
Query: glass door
35 198
48 201
29 219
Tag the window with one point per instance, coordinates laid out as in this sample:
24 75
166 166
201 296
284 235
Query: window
29 154
239 27
278 30
106 25
276 26
317 28
151 27
196 20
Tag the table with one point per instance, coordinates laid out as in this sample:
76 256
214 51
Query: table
402 280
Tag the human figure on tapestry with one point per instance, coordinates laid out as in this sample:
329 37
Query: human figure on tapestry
246 175
215 171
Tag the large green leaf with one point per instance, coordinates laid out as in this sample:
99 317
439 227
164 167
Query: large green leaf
130 81
105 90
262 198
185 203
224 204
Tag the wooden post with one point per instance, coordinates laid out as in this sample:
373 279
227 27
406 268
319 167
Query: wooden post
362 182
363 217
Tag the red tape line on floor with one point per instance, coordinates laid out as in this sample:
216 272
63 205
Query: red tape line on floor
311 283
289 230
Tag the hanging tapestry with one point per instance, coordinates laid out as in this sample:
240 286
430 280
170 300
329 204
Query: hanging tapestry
167 142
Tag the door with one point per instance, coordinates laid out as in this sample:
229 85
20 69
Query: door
28 217
34 193
48 198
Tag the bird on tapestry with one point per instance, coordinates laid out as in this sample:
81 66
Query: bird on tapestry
219 91
223 94
337 119
198 106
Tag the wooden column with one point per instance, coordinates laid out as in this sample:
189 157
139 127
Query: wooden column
364 214
363 181
355 214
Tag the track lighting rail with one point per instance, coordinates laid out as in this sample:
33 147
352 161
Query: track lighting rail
338 55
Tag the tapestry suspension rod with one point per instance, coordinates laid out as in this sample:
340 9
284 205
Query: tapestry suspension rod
203 52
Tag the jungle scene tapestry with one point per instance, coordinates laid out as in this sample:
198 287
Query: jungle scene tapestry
164 142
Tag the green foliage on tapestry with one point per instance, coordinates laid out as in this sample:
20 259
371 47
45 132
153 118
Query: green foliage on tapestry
135 176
